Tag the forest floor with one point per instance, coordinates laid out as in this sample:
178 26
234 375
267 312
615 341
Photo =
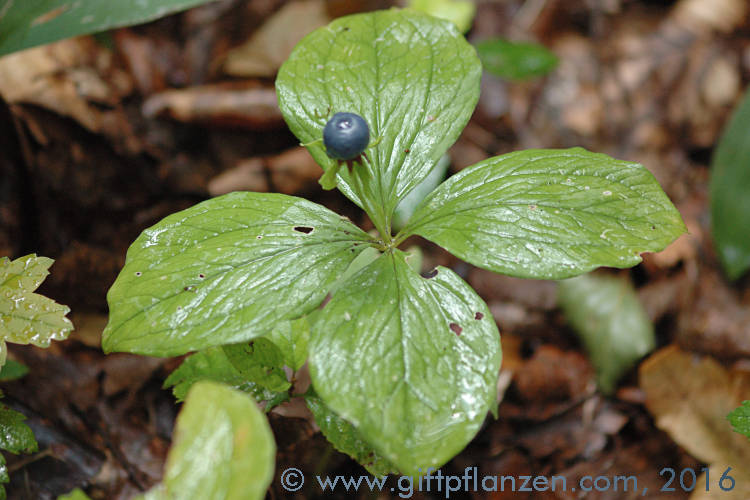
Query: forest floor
103 136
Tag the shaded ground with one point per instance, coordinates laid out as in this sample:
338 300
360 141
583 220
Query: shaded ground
99 139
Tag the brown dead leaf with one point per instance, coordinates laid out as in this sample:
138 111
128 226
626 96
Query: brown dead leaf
690 397
271 45
717 322
237 105
74 78
702 16
248 175
293 171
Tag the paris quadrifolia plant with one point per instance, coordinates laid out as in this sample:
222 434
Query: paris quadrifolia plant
403 365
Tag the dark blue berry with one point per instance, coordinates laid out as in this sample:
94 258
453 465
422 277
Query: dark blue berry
346 136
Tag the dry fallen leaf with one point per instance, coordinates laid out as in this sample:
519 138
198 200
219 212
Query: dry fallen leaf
236 105
271 45
74 78
690 397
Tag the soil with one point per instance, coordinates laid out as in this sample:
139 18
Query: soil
119 131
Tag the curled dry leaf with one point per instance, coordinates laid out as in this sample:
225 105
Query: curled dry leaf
247 106
74 78
690 397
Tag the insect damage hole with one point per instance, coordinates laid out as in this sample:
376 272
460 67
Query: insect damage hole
431 274
304 229
456 329
478 316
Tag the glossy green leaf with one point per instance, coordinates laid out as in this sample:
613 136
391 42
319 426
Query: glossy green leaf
4 477
223 448
13 370
76 494
459 12
730 193
345 438
26 23
225 271
411 362
412 77
611 322
261 362
15 436
26 317
515 60
548 214
740 419
409 204
292 338
213 364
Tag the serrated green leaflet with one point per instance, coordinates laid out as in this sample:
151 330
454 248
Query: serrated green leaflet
259 361
225 271
345 437
15 436
730 193
223 448
292 337
4 477
740 419
610 320
412 77
26 23
515 60
548 214
213 364
411 362
27 317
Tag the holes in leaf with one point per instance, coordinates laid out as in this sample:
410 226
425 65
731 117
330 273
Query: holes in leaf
304 229
138 273
189 288
478 316
201 275
431 274
456 329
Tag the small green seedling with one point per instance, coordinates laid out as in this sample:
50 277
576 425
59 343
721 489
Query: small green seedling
403 366
25 318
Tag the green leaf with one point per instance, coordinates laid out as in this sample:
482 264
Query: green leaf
223 448
459 12
515 60
25 23
261 362
548 214
611 322
730 193
740 419
406 207
15 436
76 494
13 370
292 338
411 362
412 77
345 438
214 365
4 477
26 317
225 271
